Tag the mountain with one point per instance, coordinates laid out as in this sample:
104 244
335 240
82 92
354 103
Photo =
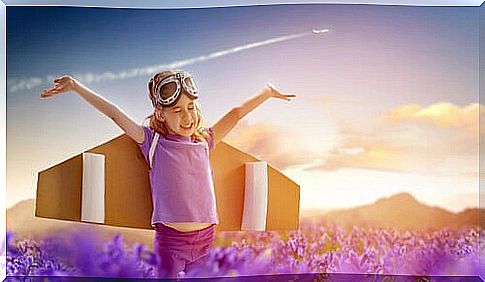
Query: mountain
21 220
469 216
400 211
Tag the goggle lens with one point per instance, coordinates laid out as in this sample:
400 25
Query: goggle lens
168 89
190 83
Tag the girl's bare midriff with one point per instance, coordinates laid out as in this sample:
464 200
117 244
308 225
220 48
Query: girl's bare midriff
187 226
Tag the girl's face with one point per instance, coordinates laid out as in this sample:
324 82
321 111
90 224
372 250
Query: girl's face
180 118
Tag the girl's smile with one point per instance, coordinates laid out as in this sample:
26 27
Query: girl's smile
187 127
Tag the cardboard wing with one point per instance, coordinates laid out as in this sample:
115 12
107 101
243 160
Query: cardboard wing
109 184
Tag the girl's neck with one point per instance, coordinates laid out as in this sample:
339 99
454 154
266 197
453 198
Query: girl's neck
177 137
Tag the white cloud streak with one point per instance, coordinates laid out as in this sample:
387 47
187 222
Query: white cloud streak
15 85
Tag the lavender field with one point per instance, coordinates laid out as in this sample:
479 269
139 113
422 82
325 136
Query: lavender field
312 249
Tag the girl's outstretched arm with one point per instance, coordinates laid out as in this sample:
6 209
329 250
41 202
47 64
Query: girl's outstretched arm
67 83
222 127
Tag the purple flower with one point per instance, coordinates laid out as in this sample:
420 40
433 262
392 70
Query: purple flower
323 249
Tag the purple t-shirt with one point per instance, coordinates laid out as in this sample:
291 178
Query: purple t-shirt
181 179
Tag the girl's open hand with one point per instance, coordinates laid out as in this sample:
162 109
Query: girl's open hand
62 84
275 93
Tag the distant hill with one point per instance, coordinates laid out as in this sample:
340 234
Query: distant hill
400 211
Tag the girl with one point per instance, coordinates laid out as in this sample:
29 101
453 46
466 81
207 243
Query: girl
176 147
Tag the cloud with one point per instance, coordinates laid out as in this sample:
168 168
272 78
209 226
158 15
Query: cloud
444 115
276 145
462 124
367 152
21 84
440 138
15 85
406 139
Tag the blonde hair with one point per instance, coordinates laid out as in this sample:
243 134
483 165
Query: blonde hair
161 127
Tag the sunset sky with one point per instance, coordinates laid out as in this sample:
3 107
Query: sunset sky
387 99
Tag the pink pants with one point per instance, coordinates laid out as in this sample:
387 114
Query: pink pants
181 251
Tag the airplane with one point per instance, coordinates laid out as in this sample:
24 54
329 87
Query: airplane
317 31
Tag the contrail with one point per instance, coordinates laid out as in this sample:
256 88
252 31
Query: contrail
15 85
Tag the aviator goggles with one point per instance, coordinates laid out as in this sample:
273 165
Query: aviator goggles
169 89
